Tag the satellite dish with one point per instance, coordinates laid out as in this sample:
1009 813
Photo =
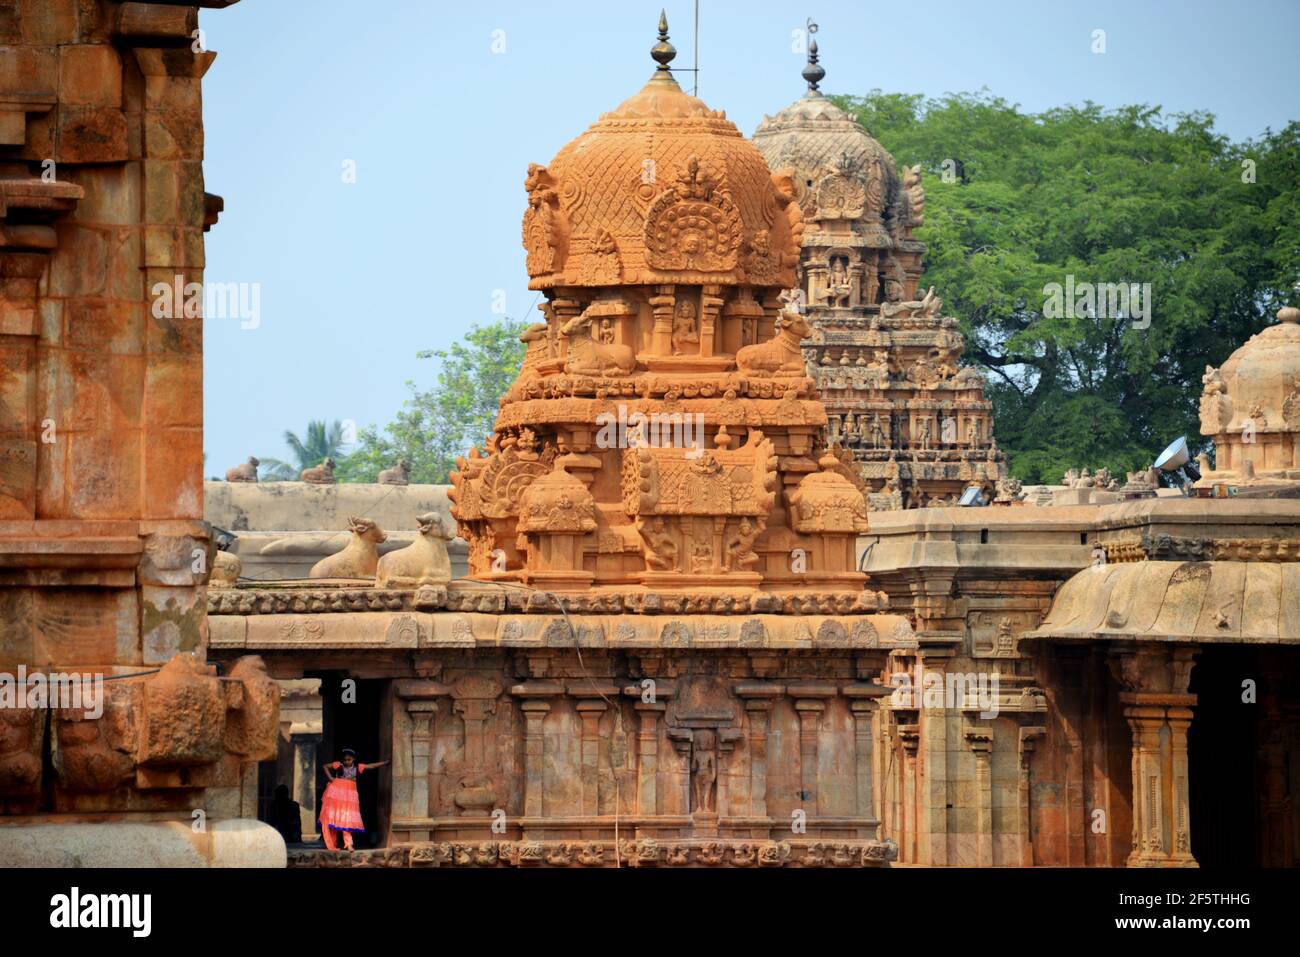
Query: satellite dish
1174 457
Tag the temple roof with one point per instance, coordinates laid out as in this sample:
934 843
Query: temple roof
661 189
830 155
813 133
1260 379
1211 602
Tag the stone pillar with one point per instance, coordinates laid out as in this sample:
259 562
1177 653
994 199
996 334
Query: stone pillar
301 712
534 756
711 305
563 309
810 713
1159 711
647 765
534 707
663 302
864 699
759 700
590 711
910 737
306 742
980 741
422 716
1028 735
421 696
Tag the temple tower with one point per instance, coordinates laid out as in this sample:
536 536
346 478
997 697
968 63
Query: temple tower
884 358
663 432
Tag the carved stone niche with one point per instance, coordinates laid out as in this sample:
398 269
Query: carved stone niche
477 784
702 724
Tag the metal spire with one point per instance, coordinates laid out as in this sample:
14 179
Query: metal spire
813 72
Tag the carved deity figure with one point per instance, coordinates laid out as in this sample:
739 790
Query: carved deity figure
915 195
704 770
923 438
895 287
839 288
740 543
877 432
661 550
684 330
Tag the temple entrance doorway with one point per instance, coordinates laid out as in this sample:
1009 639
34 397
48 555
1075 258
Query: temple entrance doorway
1222 757
353 716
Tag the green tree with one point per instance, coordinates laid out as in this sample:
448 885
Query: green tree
322 441
1017 201
436 426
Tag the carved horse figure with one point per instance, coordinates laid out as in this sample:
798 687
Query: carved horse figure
589 357
358 558
781 354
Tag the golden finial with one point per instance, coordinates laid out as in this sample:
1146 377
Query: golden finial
663 52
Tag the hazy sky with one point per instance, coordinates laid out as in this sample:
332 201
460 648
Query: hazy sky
354 278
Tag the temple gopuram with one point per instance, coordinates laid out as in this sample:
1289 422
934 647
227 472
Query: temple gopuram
885 359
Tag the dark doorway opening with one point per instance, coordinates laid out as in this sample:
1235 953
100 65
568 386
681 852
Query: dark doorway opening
352 717
1222 758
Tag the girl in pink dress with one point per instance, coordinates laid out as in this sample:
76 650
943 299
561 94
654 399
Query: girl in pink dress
340 807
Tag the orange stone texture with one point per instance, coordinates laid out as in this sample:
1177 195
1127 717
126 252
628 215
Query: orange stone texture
104 554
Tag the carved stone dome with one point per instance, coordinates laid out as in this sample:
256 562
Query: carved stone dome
1262 379
660 190
1251 406
833 159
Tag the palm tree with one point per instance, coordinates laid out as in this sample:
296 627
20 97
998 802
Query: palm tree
322 442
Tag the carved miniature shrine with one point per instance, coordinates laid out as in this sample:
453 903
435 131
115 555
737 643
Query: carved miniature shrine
885 359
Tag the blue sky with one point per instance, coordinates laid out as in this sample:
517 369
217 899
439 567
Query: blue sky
355 278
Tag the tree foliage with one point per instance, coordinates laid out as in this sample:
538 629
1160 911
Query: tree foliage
321 441
437 425
1017 201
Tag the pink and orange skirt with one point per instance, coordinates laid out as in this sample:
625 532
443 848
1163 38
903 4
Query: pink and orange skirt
340 807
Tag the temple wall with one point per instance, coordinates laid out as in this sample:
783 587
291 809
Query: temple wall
104 556
967 786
